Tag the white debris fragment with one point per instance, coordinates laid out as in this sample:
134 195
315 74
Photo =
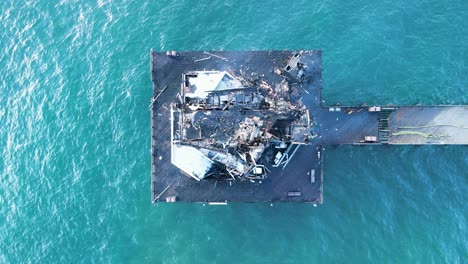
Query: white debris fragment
191 160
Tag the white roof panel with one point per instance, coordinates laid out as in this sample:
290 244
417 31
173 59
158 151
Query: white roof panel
191 161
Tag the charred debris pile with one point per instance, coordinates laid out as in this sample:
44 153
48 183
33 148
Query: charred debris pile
236 125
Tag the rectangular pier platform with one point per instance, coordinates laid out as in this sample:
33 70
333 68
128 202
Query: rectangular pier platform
300 180
249 126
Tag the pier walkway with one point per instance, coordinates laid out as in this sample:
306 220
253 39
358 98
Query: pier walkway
420 125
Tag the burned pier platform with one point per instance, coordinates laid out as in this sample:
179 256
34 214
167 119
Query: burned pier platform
249 126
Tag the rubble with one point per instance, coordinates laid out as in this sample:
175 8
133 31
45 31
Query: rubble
234 124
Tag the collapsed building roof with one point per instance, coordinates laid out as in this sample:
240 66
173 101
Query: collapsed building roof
201 83
228 125
191 161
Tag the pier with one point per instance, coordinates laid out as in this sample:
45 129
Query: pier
257 121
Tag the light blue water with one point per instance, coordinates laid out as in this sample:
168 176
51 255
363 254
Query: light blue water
74 133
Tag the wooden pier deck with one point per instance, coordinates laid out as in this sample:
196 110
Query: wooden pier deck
330 126
420 125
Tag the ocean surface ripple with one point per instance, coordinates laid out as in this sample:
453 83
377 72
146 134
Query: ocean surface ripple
74 133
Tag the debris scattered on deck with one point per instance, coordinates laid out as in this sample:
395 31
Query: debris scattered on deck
230 124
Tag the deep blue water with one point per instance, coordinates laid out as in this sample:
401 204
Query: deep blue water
75 150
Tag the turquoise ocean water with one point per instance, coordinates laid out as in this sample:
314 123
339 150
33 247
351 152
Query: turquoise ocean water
75 150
